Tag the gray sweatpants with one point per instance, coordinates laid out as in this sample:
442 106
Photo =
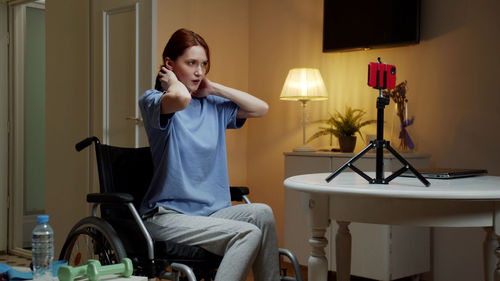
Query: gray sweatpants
243 234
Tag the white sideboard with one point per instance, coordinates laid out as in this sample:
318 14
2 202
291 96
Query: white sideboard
379 252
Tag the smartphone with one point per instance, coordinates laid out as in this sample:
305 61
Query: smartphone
381 75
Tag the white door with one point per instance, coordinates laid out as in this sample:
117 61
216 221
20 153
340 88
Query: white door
123 65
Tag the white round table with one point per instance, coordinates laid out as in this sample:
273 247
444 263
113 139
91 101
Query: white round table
465 202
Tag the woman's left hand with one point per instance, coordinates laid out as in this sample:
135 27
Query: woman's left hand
204 89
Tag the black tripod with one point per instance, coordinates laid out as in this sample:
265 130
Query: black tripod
379 144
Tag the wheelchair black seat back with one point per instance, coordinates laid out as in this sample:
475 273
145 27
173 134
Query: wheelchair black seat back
124 178
125 170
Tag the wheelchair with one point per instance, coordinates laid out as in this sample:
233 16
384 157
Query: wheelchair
124 177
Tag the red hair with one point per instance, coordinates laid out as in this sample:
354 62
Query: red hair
181 40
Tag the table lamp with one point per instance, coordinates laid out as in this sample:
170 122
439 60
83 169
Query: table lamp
304 84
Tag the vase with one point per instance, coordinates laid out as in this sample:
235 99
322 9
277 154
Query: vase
402 136
347 143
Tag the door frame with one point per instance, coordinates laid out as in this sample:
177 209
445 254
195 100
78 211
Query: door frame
4 127
16 121
15 148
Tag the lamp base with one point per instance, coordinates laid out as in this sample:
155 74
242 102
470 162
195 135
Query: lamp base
303 149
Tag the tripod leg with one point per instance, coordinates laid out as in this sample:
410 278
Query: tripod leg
349 163
406 164
361 173
397 173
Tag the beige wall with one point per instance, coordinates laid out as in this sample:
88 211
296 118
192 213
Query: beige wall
452 76
224 25
67 95
453 94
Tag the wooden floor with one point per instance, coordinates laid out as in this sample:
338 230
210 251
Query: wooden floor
14 260
331 275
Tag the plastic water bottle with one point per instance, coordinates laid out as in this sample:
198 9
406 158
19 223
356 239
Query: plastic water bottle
42 243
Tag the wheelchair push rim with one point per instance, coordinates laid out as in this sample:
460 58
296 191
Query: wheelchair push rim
92 238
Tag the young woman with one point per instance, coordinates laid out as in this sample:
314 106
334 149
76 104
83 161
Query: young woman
188 200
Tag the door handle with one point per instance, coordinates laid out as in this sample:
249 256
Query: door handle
138 120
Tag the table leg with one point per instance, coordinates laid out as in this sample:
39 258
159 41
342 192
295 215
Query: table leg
318 220
490 245
343 243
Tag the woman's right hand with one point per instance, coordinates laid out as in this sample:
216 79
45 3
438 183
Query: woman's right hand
167 77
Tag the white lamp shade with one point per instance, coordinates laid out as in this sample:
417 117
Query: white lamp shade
304 84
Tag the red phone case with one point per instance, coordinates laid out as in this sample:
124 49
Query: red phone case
391 76
381 75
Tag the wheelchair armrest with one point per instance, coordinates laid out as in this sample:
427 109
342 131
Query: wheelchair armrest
237 192
126 199
110 197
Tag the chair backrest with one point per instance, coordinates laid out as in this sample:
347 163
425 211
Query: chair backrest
123 169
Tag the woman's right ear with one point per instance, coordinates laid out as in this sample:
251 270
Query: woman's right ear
169 63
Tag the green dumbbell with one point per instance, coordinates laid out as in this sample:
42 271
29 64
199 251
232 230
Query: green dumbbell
69 273
94 270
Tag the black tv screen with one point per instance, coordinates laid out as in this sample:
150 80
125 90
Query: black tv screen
361 24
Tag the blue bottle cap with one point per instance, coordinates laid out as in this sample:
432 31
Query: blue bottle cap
43 219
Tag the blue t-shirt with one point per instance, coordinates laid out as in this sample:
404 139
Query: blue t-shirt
189 154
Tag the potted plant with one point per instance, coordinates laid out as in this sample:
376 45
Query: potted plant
344 126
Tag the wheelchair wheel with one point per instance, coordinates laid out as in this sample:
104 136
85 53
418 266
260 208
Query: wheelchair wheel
92 238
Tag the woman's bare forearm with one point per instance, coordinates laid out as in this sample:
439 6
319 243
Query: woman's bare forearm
250 106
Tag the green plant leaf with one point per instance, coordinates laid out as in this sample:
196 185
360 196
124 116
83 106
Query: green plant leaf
318 134
346 124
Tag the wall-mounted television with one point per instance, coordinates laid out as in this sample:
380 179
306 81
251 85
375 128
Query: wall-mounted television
364 24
